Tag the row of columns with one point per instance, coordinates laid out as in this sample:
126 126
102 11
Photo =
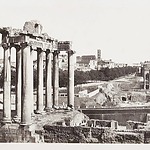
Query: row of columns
24 82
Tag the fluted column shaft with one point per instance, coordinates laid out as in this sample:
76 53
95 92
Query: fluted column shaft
18 82
144 78
39 81
55 78
48 102
7 85
26 86
149 80
70 79
32 98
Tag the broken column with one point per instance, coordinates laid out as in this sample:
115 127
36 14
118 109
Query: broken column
70 79
7 84
55 78
39 81
48 99
26 86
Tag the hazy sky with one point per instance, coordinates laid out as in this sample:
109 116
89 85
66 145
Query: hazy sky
120 28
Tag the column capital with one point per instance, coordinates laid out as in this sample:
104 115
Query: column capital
39 49
56 52
17 46
48 51
6 45
71 52
23 45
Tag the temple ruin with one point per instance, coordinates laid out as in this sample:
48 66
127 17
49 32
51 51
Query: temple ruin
25 42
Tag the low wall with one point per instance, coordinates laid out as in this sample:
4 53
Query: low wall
121 118
15 134
102 123
131 125
122 115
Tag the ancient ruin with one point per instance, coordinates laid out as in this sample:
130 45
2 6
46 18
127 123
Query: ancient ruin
146 74
25 42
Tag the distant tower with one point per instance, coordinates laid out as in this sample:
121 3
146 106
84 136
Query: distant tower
98 55
99 59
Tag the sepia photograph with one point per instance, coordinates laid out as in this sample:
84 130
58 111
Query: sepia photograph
75 72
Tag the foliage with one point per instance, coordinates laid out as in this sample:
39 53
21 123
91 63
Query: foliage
80 77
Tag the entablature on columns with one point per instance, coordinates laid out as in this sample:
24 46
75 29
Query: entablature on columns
32 36
42 41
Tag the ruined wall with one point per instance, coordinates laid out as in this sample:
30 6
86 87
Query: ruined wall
15 134
122 115
122 118
59 134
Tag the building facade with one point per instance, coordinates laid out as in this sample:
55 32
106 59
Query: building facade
86 63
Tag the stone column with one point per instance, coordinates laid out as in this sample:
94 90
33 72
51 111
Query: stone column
144 79
40 104
26 86
70 79
48 100
149 80
7 85
55 78
32 97
18 83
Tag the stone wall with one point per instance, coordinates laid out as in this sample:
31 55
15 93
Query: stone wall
59 134
102 123
129 137
14 134
131 125
122 118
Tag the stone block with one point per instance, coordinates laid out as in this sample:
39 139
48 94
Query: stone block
32 27
129 137
131 125
114 124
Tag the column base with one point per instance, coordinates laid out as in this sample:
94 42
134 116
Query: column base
32 114
55 107
29 127
25 125
70 107
40 112
48 109
17 119
6 121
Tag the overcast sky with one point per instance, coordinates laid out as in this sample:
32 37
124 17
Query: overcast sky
120 28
